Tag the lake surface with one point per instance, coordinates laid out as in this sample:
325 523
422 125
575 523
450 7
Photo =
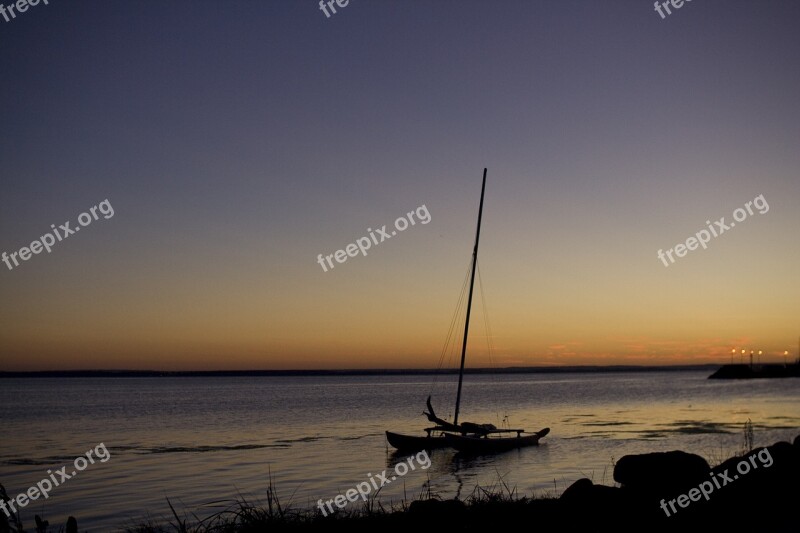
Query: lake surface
197 440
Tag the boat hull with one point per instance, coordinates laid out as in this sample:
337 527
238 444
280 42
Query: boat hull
481 445
412 443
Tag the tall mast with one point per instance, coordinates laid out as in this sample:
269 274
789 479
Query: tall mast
469 301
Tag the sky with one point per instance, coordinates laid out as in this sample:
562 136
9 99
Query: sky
236 142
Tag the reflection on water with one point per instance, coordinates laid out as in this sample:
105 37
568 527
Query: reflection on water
198 440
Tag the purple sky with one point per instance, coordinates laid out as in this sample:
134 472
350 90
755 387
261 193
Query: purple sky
238 140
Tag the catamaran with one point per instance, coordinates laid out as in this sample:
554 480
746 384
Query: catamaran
466 436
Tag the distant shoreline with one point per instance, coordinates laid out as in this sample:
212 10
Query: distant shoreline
352 372
765 371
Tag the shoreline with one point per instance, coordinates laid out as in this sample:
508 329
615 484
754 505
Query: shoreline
660 491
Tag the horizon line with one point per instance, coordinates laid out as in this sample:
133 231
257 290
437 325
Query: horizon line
354 371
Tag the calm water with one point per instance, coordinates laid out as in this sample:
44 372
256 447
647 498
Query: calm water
199 440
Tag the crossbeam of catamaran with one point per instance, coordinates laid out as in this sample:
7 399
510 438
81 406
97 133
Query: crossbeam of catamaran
465 428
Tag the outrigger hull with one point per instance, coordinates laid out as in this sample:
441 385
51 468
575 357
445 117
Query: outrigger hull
412 443
486 445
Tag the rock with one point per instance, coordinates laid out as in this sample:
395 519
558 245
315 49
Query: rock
768 493
579 491
589 507
662 472
593 498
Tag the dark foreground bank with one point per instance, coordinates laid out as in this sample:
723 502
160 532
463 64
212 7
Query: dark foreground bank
670 491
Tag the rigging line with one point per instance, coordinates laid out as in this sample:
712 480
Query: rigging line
453 320
459 312
489 335
487 326
455 348
449 336
453 330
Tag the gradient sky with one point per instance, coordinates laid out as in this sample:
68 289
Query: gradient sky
238 140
